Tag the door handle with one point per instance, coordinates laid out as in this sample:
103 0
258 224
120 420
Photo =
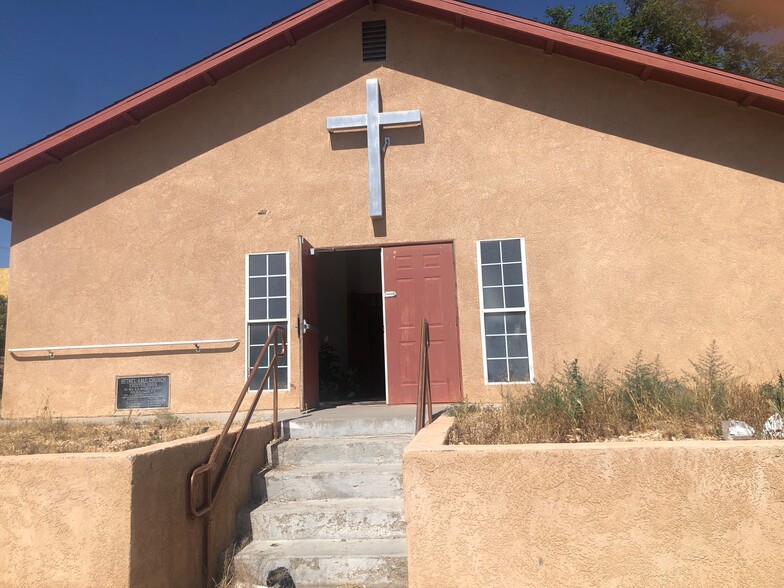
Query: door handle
390 294
303 326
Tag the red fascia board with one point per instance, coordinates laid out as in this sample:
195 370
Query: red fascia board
314 17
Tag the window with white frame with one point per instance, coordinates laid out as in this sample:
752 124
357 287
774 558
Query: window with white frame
503 293
267 306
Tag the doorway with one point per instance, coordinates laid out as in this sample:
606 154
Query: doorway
351 326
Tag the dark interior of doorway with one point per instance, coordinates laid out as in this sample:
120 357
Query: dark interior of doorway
351 326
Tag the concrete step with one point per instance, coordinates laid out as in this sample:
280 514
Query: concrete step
374 563
314 450
352 518
348 427
328 481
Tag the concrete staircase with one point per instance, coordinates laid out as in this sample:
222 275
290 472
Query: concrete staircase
331 507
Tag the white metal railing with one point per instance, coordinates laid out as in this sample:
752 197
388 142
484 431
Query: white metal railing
51 350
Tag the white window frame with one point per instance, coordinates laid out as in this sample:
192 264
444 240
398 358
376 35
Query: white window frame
524 309
248 321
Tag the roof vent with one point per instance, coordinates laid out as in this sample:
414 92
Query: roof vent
374 40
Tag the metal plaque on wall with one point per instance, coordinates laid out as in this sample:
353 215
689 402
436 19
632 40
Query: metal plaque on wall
143 391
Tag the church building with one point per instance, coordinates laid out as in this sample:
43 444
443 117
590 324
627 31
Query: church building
536 194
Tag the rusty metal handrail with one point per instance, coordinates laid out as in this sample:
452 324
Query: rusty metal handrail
424 395
210 490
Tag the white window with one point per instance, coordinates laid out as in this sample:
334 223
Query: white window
267 305
503 295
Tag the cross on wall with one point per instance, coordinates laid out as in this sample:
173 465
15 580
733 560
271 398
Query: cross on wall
374 121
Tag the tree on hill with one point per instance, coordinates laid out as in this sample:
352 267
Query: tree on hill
723 34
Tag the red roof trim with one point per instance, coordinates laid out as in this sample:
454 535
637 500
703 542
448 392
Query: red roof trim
286 32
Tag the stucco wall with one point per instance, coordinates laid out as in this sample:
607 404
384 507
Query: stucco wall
65 520
117 519
681 514
651 214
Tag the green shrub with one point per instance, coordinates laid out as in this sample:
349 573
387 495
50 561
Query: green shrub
773 394
710 379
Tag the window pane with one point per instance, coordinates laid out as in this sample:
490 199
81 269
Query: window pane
257 287
513 274
517 345
253 355
277 286
283 379
514 297
494 324
493 297
518 369
277 264
257 309
258 334
510 250
277 308
490 251
257 265
496 370
495 345
491 275
254 385
515 322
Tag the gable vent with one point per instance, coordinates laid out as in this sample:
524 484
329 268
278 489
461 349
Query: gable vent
374 40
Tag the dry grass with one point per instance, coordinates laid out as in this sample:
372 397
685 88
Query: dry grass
643 401
231 577
48 434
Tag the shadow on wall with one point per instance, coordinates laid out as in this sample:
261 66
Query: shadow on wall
588 96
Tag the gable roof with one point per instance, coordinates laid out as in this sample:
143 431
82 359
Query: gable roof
285 33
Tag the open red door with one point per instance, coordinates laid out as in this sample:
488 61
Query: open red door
306 325
419 282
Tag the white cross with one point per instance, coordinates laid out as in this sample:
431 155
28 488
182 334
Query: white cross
373 121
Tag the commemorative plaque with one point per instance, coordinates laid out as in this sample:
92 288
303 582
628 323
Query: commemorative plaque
143 392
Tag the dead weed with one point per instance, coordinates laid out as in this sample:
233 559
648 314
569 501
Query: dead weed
641 402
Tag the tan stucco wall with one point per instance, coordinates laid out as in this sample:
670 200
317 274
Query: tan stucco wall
167 545
115 520
652 215
65 520
681 514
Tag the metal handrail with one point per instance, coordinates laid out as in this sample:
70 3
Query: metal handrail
51 350
208 469
424 394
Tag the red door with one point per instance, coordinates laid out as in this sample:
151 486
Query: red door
419 282
307 329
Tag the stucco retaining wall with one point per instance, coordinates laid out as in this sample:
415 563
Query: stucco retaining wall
601 514
116 519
